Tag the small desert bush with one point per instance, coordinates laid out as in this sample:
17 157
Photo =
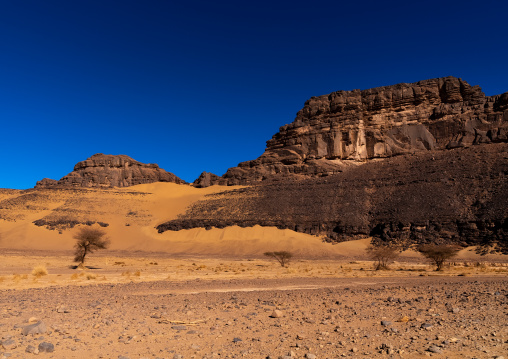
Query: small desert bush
137 273
90 276
438 253
75 276
383 255
16 278
283 257
39 271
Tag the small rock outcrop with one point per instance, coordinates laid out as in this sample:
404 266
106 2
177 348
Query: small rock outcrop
102 170
334 131
206 179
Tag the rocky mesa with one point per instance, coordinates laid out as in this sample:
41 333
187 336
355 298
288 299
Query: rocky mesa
343 128
102 170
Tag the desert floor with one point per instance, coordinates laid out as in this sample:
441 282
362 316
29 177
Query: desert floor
212 294
155 305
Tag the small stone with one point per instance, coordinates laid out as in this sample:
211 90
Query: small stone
403 319
426 326
178 356
32 320
30 349
455 310
434 349
300 337
62 309
36 328
195 347
8 344
310 356
236 340
46 347
277 314
385 323
179 327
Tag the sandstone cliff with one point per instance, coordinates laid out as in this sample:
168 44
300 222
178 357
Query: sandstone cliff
459 196
334 131
111 171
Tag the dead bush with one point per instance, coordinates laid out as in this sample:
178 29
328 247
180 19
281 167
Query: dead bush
283 257
39 271
383 255
438 253
88 240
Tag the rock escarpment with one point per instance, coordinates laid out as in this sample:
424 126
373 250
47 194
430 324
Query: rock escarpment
347 127
459 196
111 171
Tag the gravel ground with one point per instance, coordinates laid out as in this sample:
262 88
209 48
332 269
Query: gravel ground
442 317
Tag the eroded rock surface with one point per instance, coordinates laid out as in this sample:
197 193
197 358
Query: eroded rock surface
332 131
459 196
111 171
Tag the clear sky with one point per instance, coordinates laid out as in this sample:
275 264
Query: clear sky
202 85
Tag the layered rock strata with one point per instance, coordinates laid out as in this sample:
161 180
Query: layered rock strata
459 196
346 127
111 171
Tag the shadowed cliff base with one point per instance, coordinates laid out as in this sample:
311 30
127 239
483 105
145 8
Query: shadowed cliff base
457 196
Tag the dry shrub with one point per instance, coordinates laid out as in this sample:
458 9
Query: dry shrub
439 253
39 271
88 240
126 274
383 255
17 277
283 257
75 276
137 273
90 276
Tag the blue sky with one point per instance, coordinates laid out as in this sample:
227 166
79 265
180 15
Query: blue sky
202 85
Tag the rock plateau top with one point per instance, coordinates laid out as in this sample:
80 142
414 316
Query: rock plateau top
102 170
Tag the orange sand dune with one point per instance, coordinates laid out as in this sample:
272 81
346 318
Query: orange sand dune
133 213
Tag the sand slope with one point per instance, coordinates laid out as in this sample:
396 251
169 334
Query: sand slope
132 214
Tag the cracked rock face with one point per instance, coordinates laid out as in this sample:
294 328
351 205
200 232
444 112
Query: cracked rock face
337 130
111 171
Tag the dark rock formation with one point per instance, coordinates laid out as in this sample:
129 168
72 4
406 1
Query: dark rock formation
111 171
46 182
206 179
459 195
333 131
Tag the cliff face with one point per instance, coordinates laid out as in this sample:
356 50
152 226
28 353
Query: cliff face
111 171
459 196
334 131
